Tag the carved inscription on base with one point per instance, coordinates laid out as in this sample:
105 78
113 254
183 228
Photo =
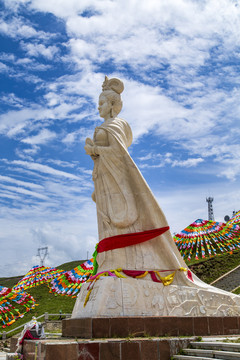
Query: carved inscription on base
131 297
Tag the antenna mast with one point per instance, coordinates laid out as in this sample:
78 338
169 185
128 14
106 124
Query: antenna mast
42 253
209 200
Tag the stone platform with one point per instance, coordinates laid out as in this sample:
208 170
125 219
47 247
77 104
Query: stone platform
126 338
104 349
150 326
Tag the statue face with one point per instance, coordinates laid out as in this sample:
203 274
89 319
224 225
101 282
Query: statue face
104 106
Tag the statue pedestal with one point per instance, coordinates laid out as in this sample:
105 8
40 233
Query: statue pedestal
118 297
154 326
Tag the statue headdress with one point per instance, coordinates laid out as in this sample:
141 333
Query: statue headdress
113 84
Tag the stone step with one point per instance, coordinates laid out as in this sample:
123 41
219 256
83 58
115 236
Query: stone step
232 347
104 349
226 355
229 281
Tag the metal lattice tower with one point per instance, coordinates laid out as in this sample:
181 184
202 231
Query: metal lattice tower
42 253
209 200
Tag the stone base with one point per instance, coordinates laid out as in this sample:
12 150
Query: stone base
131 337
117 297
109 349
124 327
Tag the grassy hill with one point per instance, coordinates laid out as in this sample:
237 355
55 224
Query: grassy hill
70 265
10 282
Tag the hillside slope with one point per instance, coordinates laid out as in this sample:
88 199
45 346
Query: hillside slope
11 281
212 268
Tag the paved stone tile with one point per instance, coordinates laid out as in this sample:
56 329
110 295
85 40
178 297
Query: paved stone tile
230 281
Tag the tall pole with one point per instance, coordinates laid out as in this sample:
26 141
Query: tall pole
209 200
42 253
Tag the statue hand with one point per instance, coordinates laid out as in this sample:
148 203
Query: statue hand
89 141
89 149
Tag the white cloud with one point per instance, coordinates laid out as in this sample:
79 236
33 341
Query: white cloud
231 167
62 163
138 38
82 49
187 163
8 179
53 99
156 160
59 215
43 137
67 239
40 50
12 99
17 189
77 136
61 8
31 64
12 118
145 107
15 130
45 169
14 121
17 27
27 154
148 108
7 57
3 67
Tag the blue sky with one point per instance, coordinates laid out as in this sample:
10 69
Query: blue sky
179 61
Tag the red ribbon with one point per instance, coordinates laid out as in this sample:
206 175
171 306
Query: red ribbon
28 336
123 240
135 273
189 275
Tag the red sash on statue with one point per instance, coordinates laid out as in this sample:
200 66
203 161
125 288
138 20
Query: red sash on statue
123 240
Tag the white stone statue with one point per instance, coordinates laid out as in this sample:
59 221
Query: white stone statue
126 205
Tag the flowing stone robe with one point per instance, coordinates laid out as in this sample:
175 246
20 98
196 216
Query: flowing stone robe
125 204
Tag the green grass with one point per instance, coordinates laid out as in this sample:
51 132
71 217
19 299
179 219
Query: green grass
212 268
237 291
70 265
10 282
49 302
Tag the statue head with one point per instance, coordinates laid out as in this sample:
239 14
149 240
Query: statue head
110 98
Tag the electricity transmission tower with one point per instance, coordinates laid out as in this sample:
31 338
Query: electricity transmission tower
42 253
209 200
